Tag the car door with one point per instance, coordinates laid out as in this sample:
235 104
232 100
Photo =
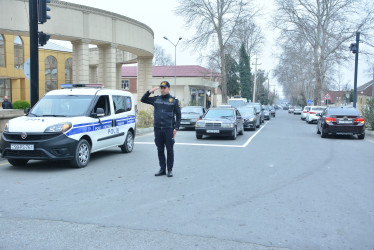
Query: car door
239 120
123 118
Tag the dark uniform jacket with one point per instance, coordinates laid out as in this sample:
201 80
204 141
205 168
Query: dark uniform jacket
166 109
7 105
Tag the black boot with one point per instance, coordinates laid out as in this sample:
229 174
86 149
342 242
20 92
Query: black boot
160 172
170 173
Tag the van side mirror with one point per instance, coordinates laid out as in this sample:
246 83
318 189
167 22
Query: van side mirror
99 113
27 111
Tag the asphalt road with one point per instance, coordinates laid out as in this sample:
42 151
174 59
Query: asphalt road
281 187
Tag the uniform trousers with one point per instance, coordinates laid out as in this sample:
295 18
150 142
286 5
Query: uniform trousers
164 138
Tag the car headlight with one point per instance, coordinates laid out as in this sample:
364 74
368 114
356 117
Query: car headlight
58 128
6 127
200 124
227 125
251 120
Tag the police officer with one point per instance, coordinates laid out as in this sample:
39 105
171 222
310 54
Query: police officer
167 117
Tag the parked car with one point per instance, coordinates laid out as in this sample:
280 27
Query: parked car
220 122
341 120
304 113
190 115
250 116
70 124
259 110
291 109
297 110
236 102
311 116
272 111
266 111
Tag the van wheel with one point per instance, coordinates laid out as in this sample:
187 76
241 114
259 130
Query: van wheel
82 154
128 146
18 162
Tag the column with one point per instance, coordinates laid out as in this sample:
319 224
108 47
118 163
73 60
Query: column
186 95
81 58
107 66
144 79
118 75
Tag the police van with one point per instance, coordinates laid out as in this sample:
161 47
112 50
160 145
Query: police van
70 124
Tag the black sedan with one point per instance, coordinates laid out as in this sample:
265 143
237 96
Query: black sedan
251 118
220 122
190 114
341 121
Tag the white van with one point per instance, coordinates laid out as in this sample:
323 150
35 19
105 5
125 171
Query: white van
70 124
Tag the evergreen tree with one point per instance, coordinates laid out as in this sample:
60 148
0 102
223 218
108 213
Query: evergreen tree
245 73
233 86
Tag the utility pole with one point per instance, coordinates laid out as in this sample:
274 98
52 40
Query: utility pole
34 53
372 85
255 82
355 50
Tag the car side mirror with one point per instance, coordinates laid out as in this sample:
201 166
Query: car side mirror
239 117
27 111
99 113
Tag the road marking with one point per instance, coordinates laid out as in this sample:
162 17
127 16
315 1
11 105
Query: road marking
369 140
213 145
4 163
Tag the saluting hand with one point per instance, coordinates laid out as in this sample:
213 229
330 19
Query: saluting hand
153 90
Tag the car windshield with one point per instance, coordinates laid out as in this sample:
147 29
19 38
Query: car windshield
317 109
220 113
189 110
246 111
62 105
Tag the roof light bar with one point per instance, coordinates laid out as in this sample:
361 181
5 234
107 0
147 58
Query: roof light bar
81 85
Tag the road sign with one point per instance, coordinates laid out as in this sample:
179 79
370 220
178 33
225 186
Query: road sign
327 96
310 102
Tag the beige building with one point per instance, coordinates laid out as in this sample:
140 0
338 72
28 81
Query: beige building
364 92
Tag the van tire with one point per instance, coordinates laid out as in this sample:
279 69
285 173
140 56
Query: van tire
18 162
82 154
128 145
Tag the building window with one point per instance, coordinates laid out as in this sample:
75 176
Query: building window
5 89
69 70
18 53
125 84
2 51
50 73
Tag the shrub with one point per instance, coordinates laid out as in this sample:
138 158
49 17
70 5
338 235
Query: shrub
193 103
368 113
144 119
21 104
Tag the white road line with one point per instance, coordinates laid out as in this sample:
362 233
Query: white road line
212 145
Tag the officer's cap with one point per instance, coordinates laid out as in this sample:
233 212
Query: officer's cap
165 84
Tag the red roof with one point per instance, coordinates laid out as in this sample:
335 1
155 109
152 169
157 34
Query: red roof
168 71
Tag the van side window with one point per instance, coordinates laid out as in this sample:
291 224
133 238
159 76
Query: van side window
103 103
121 103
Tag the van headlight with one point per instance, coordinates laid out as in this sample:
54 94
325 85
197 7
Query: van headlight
6 127
227 125
200 124
58 128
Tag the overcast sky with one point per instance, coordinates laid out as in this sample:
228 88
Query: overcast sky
159 16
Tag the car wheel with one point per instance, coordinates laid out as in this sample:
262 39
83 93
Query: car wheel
254 128
82 154
235 134
18 162
361 136
128 145
242 131
199 136
323 134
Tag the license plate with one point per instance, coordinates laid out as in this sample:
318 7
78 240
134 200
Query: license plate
345 122
22 146
213 131
185 123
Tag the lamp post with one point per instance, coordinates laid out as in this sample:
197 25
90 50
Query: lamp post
175 63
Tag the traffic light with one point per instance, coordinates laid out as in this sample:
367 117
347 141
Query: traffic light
43 38
353 48
42 11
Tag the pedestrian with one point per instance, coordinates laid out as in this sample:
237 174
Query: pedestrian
7 104
167 118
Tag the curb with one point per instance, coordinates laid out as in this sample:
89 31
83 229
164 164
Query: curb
142 131
369 133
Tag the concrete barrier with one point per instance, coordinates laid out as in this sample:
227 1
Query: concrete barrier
7 114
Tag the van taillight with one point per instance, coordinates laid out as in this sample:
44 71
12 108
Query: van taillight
362 120
330 119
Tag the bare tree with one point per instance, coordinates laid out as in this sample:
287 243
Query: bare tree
160 58
327 26
251 35
216 22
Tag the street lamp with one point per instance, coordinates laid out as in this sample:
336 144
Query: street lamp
175 63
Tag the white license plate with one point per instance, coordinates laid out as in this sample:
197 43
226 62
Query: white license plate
345 122
185 123
21 146
213 131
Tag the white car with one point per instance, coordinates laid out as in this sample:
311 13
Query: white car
70 124
304 113
311 116
297 110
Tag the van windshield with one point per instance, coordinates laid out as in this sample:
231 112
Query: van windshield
62 105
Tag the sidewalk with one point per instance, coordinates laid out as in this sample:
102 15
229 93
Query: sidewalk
142 131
